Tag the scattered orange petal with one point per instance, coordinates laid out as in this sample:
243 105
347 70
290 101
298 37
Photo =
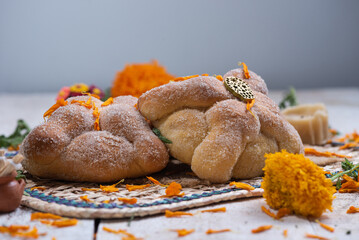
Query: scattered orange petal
90 189
268 212
249 106
219 77
245 70
129 236
154 181
244 186
349 145
111 188
211 231
262 228
136 187
169 214
128 200
173 190
40 215
38 188
285 233
59 103
60 223
107 102
222 209
325 226
183 232
353 209
185 78
307 235
312 151
86 199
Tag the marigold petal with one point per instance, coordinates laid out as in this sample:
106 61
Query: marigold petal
262 228
169 214
211 231
244 186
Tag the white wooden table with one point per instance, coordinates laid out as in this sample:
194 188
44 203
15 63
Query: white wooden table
241 215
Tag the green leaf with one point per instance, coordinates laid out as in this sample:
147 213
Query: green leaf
20 175
339 184
289 100
160 136
16 138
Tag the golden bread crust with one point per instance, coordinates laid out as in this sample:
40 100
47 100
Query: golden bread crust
67 147
213 131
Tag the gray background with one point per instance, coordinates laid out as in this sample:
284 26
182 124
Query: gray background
45 44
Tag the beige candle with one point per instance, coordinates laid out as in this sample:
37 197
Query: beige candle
311 122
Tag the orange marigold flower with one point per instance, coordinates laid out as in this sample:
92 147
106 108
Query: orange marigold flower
173 190
136 79
262 228
244 186
183 232
295 182
211 231
169 214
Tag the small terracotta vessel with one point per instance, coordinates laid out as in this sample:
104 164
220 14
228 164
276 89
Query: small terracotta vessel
11 191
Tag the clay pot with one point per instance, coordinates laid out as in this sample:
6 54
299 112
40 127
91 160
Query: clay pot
11 192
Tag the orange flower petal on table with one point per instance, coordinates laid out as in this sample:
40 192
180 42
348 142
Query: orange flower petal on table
183 232
154 181
38 188
14 228
136 187
312 151
90 189
82 103
211 231
40 215
173 190
129 236
353 209
325 226
60 223
128 200
59 103
107 102
30 234
349 145
86 199
308 235
222 209
268 212
285 233
244 186
262 228
169 214
111 188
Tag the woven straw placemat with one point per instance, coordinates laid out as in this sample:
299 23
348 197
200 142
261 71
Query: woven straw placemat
63 198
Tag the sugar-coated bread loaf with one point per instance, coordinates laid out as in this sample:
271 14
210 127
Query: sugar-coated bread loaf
213 131
66 146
